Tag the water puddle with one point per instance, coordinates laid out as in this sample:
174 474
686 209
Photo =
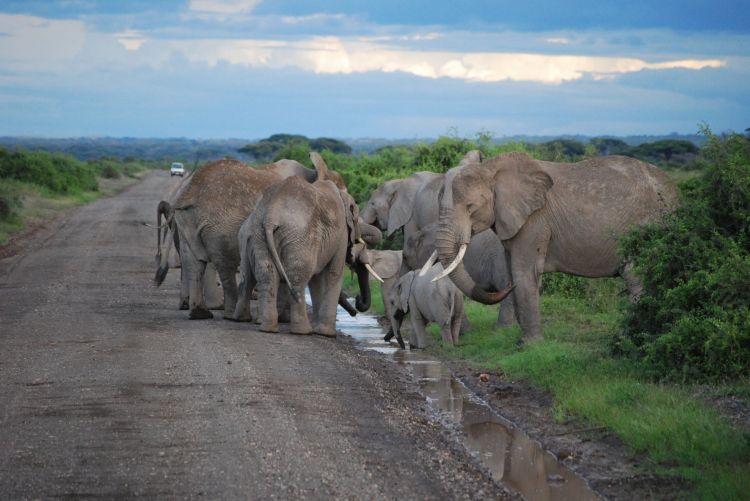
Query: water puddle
511 456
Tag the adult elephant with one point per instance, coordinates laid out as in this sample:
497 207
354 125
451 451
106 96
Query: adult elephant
550 217
208 213
287 168
170 258
413 203
300 234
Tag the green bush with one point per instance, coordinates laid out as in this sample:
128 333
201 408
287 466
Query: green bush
692 322
10 200
56 172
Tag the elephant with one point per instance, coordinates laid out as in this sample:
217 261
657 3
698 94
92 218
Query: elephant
413 203
208 213
211 290
484 261
564 217
300 234
426 301
386 264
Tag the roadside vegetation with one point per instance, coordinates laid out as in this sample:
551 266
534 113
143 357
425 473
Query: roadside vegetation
648 371
35 185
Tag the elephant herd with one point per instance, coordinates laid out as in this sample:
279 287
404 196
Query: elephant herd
486 229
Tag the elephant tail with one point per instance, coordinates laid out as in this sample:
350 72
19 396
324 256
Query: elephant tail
161 271
271 243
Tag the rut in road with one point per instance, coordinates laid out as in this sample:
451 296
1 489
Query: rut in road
109 391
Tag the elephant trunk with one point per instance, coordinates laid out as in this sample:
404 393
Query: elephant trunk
370 234
451 236
363 300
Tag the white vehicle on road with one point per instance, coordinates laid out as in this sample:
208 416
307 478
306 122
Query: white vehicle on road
177 169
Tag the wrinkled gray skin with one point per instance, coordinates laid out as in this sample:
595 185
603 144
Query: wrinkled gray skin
208 213
550 217
484 260
299 234
413 203
426 301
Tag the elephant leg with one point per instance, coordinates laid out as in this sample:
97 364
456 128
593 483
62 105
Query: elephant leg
283 303
633 282
526 295
506 316
418 337
299 323
211 289
245 288
228 276
458 314
267 288
184 289
198 310
325 289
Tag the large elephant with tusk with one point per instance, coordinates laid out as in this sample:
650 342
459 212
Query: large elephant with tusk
413 204
301 235
550 217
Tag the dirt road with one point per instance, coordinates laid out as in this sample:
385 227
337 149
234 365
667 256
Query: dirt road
107 390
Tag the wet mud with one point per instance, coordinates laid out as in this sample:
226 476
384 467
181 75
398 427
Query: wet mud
510 428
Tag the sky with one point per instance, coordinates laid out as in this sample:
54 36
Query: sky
385 68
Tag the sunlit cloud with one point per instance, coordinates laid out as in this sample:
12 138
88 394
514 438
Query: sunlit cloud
333 55
131 40
312 18
223 6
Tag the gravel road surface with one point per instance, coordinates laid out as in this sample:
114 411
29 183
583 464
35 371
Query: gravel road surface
108 391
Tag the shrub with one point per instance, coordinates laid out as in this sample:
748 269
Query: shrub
692 322
56 172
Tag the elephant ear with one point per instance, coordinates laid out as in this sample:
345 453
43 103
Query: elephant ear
351 210
402 202
520 189
320 165
404 290
385 263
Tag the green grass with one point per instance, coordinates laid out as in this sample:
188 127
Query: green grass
678 432
32 203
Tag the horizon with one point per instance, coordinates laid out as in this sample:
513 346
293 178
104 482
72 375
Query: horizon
235 69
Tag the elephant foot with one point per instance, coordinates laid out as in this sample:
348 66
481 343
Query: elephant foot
389 335
300 328
184 305
272 327
200 314
325 330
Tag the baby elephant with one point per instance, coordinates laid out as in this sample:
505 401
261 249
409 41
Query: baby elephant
426 301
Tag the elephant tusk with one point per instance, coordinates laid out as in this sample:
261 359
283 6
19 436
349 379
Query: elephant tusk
372 272
453 265
430 261
156 227
362 241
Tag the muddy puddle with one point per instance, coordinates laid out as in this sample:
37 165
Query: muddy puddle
513 458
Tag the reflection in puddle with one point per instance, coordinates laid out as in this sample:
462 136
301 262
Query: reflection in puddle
512 457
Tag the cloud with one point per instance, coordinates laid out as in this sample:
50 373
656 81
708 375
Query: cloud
131 40
222 9
333 55
29 42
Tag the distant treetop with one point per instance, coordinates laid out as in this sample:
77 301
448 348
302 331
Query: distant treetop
267 149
